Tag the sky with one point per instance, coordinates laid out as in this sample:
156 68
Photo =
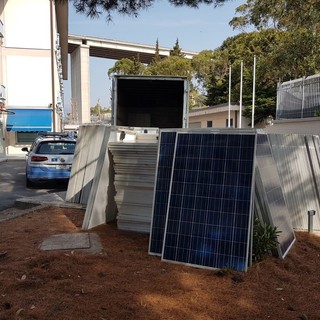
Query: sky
196 30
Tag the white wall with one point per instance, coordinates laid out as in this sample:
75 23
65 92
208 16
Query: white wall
29 81
27 24
26 58
296 126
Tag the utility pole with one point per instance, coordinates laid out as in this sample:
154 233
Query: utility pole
53 94
253 90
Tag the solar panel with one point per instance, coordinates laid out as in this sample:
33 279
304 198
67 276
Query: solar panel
268 187
161 194
210 200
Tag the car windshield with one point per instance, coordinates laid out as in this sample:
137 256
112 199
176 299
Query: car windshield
56 147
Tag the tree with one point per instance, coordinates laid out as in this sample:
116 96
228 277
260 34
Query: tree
156 57
214 66
278 14
292 30
127 66
97 110
210 68
176 50
297 24
174 65
171 66
95 8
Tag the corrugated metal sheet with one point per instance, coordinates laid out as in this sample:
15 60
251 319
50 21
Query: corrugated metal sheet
298 183
134 172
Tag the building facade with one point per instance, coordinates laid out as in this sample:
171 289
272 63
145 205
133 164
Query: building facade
33 65
218 117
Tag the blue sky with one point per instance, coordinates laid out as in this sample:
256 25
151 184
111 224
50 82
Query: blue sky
196 30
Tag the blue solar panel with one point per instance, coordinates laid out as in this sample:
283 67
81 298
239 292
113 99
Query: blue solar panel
269 188
161 194
210 200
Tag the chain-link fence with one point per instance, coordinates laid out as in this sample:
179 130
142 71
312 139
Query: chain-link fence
299 98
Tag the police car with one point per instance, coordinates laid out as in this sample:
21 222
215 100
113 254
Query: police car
49 158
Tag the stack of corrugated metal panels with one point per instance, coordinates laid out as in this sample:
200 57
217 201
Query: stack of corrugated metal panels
297 159
134 166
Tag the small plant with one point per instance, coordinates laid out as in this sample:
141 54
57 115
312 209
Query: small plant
265 240
224 272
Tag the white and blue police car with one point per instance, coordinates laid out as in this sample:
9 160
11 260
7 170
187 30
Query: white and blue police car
49 158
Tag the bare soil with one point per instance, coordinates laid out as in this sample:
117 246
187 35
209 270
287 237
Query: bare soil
123 282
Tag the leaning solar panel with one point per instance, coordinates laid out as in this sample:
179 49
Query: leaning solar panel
269 188
161 194
210 202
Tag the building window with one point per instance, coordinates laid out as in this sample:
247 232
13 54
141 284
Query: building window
231 123
209 124
26 137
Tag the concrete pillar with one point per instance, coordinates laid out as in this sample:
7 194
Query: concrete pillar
80 83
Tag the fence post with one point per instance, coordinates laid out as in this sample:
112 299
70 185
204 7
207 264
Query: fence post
311 213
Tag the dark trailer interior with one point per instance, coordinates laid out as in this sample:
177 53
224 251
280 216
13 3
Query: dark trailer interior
149 102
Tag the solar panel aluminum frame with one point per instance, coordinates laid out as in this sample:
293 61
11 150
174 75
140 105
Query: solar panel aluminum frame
243 260
161 193
268 185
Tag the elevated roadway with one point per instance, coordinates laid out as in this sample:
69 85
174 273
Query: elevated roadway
81 48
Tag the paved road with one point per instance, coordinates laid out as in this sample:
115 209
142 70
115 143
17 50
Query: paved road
13 184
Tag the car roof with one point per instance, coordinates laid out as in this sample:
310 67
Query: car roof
54 136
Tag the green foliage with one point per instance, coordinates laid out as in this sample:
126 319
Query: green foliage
202 65
265 108
127 66
279 14
218 90
174 65
288 42
176 50
265 240
97 110
171 66
95 8
156 54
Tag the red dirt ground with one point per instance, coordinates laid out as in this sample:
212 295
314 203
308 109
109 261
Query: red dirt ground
125 283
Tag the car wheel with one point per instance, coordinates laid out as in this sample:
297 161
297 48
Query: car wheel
29 184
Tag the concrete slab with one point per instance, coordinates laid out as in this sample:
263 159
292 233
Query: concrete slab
72 241
54 199
19 210
66 241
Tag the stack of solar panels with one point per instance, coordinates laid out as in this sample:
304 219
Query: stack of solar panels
204 195
134 171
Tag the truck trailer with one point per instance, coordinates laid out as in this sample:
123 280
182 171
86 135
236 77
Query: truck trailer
150 101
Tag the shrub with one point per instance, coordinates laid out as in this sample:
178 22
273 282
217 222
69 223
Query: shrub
265 240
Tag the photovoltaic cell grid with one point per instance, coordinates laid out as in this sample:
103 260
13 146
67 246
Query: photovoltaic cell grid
268 186
210 201
161 194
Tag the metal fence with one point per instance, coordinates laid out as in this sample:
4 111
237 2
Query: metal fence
299 98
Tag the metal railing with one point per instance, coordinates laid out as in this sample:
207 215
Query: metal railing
299 98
